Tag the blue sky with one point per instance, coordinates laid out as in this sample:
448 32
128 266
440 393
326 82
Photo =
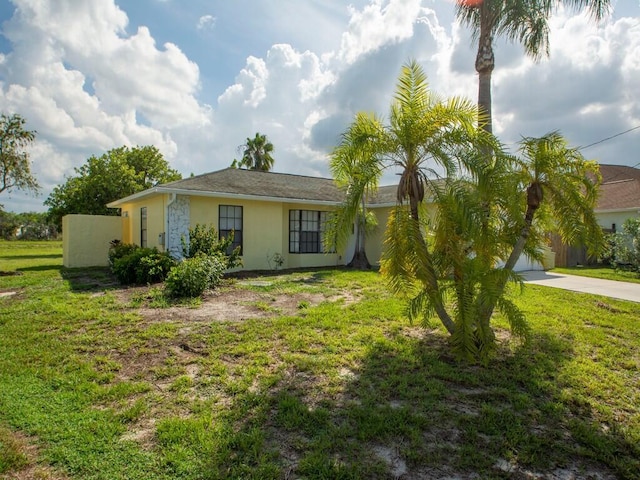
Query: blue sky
196 78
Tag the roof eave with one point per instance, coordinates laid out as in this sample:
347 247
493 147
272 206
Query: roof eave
135 196
235 196
614 210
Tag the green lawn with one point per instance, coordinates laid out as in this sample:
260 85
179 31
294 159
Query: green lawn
607 273
301 375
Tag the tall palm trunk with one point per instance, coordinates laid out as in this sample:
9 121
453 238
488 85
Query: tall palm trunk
485 63
360 260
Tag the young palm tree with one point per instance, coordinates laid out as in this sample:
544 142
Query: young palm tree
470 250
454 264
524 21
356 169
257 154
556 190
425 137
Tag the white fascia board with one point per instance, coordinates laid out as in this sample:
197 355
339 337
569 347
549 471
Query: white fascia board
621 210
235 196
135 196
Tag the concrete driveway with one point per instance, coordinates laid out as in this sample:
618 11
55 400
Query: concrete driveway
608 288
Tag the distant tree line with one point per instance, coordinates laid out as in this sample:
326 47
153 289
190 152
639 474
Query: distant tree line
27 226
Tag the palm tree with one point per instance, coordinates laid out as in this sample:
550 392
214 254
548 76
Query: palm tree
525 21
455 263
558 190
356 169
425 134
257 154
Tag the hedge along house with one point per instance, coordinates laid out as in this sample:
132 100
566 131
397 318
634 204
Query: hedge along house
270 213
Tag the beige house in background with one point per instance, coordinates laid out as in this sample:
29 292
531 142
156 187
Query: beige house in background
269 212
619 196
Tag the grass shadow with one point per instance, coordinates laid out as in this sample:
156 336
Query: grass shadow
411 411
30 257
90 279
40 268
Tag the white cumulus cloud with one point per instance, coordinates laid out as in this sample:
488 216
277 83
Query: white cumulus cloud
206 22
88 81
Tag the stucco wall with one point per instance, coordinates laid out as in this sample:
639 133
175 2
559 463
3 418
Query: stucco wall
155 220
261 227
265 227
375 240
86 239
265 232
607 219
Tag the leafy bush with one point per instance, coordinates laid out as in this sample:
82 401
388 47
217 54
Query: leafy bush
624 246
193 276
118 250
141 265
204 240
154 267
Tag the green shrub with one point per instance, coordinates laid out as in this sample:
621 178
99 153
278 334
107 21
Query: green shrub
624 246
142 266
118 250
204 240
191 277
154 267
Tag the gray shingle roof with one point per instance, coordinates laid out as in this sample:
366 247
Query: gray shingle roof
237 181
620 187
232 182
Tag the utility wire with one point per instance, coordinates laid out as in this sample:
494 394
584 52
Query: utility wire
609 138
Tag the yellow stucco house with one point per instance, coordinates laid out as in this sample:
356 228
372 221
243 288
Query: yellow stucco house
269 212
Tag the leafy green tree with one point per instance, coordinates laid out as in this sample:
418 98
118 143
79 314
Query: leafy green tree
15 168
523 21
256 154
118 173
455 263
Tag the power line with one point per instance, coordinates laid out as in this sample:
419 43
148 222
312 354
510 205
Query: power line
609 138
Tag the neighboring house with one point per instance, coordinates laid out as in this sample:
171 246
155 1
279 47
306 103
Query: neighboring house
619 200
619 196
269 212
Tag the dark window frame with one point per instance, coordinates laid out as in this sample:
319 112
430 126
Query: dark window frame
229 220
306 231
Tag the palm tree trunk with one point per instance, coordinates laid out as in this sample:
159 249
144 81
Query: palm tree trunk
360 260
486 312
432 281
485 62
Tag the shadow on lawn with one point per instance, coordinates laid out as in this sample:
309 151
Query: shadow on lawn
30 257
412 412
40 268
90 279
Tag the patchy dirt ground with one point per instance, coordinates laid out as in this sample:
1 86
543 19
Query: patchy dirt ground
33 470
236 302
231 303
